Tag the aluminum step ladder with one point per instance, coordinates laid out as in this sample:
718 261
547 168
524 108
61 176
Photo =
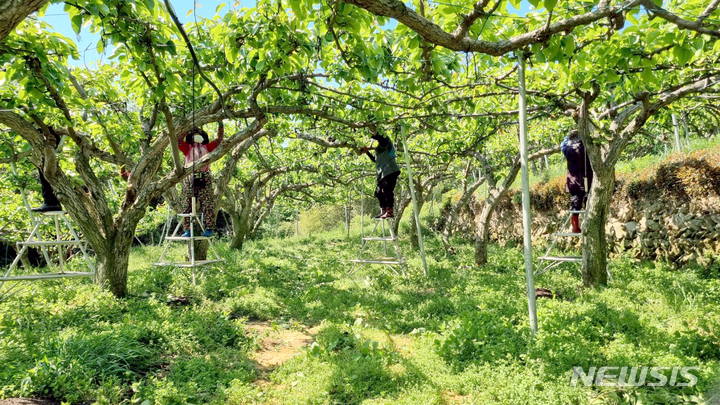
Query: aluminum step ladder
35 239
384 237
554 261
549 261
176 236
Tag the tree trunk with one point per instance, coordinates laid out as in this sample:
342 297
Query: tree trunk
241 229
594 247
200 249
481 251
447 228
483 233
25 260
12 12
401 205
446 241
112 257
452 216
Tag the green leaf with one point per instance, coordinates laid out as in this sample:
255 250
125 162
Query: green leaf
682 54
151 6
100 46
76 23
298 9
648 76
43 9
219 7
568 45
550 4
539 55
612 76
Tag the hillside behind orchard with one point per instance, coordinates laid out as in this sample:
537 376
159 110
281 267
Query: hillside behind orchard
668 211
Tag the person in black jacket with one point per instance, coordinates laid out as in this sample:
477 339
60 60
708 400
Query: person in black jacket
579 175
387 171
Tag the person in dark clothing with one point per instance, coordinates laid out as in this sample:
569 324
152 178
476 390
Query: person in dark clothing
387 171
50 200
579 176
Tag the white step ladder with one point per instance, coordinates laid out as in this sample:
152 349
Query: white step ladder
35 239
549 262
384 237
190 240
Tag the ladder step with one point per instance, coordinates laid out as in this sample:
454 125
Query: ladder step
389 238
52 243
180 238
47 276
184 215
376 261
577 212
570 234
187 265
51 213
571 259
384 219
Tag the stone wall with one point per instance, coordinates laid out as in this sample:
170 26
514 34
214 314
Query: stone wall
670 211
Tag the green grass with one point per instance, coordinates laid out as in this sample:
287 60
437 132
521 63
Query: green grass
458 336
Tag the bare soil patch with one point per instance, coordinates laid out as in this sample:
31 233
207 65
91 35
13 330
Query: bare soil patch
277 345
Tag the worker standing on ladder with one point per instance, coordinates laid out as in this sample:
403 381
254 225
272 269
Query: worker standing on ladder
387 172
196 145
579 175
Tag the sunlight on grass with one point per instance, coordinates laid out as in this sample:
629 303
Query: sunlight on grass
459 336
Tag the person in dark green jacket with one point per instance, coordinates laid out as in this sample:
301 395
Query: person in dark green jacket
387 173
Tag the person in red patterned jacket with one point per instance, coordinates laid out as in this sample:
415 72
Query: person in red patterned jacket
195 145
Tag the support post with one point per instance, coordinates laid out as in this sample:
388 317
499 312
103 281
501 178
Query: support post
347 216
61 252
677 133
527 220
414 201
362 209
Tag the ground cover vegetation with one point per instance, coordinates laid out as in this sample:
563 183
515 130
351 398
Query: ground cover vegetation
459 336
300 86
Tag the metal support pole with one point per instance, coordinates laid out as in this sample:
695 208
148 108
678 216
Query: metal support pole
527 220
687 129
166 228
677 133
384 237
414 201
192 241
347 216
362 210
61 253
